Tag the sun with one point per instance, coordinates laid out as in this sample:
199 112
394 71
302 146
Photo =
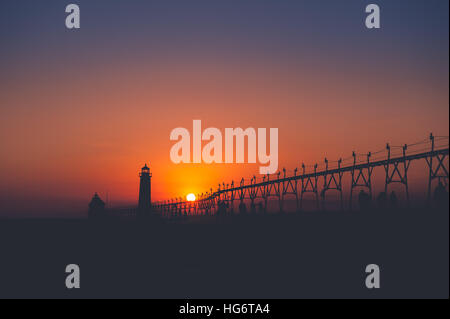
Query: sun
190 197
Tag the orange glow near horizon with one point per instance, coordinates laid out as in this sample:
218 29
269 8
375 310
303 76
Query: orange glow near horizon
72 135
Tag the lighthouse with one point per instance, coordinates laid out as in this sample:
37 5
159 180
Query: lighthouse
144 205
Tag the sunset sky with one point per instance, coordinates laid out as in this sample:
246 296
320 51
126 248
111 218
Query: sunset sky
81 111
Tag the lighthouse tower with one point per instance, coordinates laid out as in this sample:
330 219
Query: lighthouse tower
145 190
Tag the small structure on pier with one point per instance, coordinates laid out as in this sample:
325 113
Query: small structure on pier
96 207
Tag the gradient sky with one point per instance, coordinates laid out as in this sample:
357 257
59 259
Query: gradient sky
82 110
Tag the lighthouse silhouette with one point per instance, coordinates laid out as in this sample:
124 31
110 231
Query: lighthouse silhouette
144 205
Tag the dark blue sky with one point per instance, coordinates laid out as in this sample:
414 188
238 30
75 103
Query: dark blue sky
234 27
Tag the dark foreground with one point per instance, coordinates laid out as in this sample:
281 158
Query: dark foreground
306 255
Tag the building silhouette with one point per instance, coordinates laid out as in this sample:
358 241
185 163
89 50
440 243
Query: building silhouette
96 207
